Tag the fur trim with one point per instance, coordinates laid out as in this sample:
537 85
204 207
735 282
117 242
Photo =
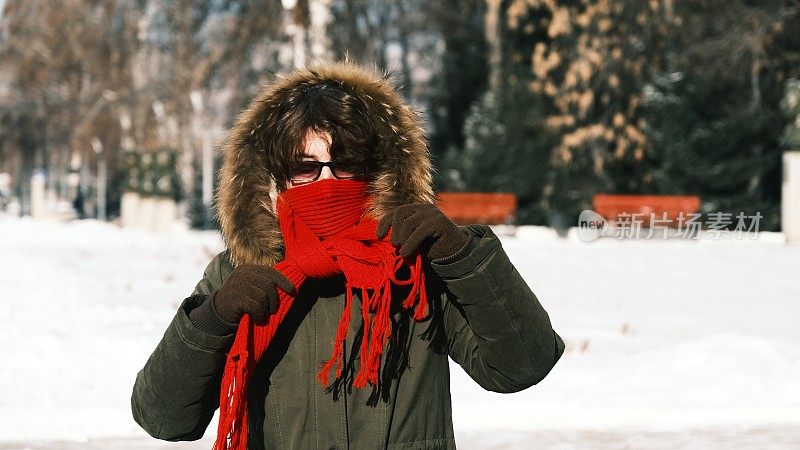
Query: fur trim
243 203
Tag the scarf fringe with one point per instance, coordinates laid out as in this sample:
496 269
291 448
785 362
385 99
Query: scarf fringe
236 374
377 330
341 334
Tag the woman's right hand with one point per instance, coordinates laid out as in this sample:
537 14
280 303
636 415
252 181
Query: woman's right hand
251 289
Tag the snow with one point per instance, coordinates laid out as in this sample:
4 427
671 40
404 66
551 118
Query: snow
84 304
665 338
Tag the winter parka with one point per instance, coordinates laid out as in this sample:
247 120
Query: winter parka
483 314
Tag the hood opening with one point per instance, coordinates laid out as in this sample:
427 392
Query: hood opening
368 121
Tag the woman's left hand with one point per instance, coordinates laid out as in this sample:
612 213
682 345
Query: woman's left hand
423 226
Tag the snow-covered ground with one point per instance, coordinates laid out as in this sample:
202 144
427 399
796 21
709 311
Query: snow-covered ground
691 344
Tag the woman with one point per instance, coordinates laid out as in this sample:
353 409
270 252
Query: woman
350 271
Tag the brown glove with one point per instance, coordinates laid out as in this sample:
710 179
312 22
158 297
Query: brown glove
250 289
423 226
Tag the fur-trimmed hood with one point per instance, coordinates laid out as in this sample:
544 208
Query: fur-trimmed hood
244 204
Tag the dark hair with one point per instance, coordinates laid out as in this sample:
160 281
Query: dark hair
321 106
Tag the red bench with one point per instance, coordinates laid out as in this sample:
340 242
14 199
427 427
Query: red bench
478 207
612 206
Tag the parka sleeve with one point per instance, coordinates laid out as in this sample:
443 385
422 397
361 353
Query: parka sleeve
496 328
177 391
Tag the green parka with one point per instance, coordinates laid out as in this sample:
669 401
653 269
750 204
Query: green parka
484 316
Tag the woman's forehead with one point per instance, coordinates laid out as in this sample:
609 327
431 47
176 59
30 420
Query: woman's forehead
317 145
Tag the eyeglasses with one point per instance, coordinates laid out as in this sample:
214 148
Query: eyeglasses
307 171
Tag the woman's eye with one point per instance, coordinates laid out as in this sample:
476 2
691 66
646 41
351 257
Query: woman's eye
348 168
303 168
304 164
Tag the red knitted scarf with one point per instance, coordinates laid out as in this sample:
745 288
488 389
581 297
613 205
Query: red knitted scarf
325 232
